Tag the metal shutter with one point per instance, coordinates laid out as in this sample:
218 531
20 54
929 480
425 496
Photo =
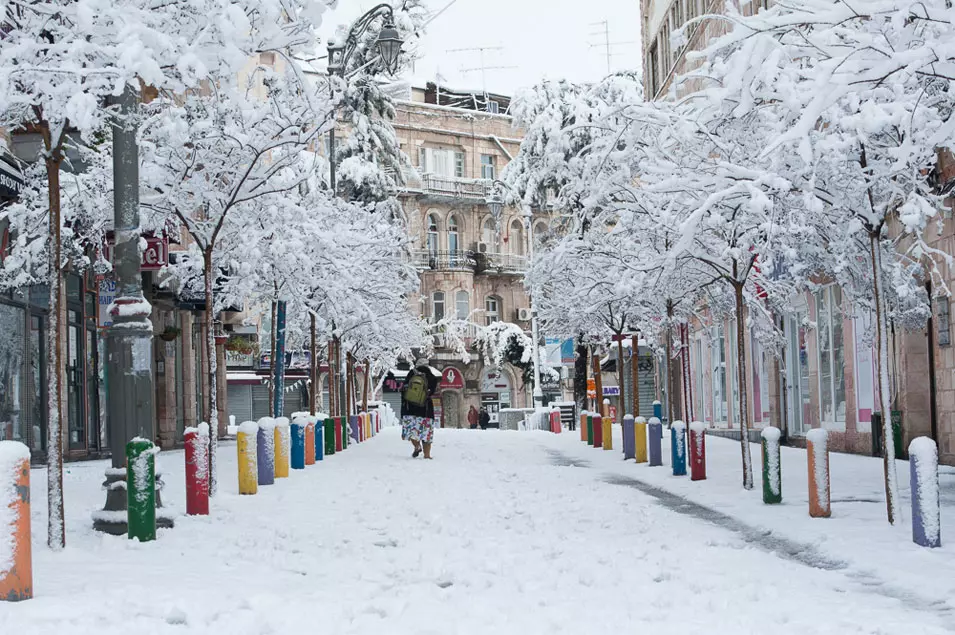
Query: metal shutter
240 402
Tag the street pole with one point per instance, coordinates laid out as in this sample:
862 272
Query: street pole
528 234
278 363
129 341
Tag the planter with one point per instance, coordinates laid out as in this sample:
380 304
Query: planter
170 334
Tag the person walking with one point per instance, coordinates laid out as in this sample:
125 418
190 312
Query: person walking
485 419
417 409
473 418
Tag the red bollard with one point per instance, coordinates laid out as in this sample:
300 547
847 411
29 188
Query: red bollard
197 470
598 431
339 425
697 451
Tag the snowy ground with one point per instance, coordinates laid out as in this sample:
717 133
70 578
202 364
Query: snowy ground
504 532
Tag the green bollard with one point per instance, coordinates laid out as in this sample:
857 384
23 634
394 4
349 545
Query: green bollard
590 429
141 489
772 467
329 436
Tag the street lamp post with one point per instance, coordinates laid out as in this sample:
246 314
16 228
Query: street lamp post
388 45
495 203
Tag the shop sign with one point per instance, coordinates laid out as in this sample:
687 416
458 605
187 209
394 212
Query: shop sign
451 379
107 295
155 256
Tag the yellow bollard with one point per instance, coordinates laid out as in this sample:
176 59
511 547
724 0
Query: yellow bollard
248 465
607 435
367 421
283 449
16 574
640 439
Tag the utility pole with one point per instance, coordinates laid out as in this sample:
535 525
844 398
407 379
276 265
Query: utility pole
129 340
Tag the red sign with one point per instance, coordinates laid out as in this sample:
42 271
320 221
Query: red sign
451 379
155 257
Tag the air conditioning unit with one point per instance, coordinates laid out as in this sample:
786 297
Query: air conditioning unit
523 315
483 248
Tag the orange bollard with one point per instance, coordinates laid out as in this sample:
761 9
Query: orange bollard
310 442
16 573
583 426
817 449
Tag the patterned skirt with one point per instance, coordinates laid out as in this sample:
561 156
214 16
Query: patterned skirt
417 429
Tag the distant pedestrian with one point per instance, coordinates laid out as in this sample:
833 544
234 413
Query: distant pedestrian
473 418
417 409
485 419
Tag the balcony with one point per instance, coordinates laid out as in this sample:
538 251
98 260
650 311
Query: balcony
437 187
425 260
500 264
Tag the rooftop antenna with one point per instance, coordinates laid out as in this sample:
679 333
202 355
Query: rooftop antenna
603 33
484 68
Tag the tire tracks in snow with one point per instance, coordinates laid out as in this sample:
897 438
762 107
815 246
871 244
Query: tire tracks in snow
780 546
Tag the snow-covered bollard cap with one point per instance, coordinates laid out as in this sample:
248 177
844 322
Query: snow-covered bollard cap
818 436
640 419
655 420
697 426
267 423
678 425
606 400
249 427
628 417
282 422
657 403
770 434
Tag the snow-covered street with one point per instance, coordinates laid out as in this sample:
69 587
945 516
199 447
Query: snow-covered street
501 533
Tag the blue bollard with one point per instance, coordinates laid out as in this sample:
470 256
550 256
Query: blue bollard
658 410
265 451
319 439
926 516
678 448
629 439
655 434
353 424
298 445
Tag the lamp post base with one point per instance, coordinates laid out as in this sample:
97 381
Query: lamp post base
112 518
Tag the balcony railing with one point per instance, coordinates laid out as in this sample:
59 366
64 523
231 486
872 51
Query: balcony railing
444 260
501 263
453 187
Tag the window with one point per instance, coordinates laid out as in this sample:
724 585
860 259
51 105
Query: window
944 323
492 309
732 378
831 347
516 239
441 162
493 107
453 244
797 383
697 366
437 306
488 234
487 166
462 305
540 231
432 234
718 364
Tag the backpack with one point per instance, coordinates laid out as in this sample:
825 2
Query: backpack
417 391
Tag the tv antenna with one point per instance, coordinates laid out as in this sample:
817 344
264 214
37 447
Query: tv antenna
484 68
604 34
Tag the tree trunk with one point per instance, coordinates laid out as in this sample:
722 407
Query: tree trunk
635 374
364 393
620 377
685 365
349 384
212 413
332 387
56 370
313 368
598 383
580 375
741 379
272 336
888 442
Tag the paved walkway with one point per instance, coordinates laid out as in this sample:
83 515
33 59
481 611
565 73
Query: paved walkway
503 532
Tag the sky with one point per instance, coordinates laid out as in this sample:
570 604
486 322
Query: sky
539 38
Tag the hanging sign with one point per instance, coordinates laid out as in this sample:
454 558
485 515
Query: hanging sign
452 379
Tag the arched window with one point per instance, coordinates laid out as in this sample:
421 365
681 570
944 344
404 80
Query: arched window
437 306
540 232
492 309
454 242
516 238
462 305
432 234
489 235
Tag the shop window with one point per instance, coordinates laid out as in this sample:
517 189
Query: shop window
831 347
462 305
12 416
437 306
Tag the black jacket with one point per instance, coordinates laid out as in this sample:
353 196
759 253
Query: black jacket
414 410
485 419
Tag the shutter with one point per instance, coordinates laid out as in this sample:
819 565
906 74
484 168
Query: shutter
240 402
422 159
393 399
260 402
459 164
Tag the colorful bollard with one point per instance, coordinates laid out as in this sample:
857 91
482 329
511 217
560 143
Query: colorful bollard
926 516
16 573
197 470
329 436
354 428
297 432
283 443
345 441
246 445
310 446
607 433
655 441
141 489
817 449
590 428
678 448
772 466
339 440
265 451
640 450
598 431
658 410
319 439
697 451
583 426
629 441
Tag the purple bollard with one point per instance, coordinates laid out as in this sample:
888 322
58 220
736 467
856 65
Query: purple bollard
926 517
353 428
265 451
